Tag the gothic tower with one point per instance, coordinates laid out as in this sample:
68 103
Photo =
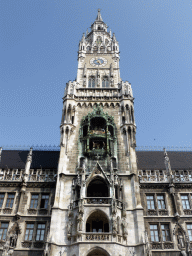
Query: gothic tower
97 208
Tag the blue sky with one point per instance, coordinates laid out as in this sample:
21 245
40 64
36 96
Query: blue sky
38 49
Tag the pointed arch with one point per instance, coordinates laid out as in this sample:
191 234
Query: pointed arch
98 187
132 114
106 105
97 250
112 105
97 221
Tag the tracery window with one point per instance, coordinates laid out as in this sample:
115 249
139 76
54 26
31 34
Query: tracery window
91 83
105 82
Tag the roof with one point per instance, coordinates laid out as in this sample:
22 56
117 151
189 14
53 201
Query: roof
154 160
40 159
146 160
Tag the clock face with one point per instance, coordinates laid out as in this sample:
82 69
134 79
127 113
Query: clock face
98 61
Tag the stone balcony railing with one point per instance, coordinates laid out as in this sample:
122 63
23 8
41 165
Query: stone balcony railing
162 246
97 200
98 237
35 175
161 176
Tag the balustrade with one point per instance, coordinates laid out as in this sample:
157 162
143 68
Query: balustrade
97 200
161 176
38 175
97 237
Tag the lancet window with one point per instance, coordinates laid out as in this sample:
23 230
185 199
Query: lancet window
91 83
105 81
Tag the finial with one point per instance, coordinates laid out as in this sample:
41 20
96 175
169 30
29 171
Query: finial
110 32
87 32
83 38
29 156
99 18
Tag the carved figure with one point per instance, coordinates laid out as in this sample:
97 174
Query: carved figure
181 241
111 82
188 246
114 207
79 222
124 226
69 228
114 225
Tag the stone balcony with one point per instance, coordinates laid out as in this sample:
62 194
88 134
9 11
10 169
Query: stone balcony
98 238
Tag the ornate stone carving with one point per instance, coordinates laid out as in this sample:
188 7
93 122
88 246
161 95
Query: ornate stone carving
32 211
7 210
26 244
97 237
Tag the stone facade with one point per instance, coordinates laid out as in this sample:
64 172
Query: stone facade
97 195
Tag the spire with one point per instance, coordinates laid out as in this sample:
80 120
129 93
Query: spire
99 18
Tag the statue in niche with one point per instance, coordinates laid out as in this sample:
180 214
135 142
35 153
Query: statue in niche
114 225
181 240
84 82
79 222
114 206
188 245
124 226
112 82
69 228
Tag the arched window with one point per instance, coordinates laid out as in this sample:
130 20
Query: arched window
91 83
105 82
97 188
97 222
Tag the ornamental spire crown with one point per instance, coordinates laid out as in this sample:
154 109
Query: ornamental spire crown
98 40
